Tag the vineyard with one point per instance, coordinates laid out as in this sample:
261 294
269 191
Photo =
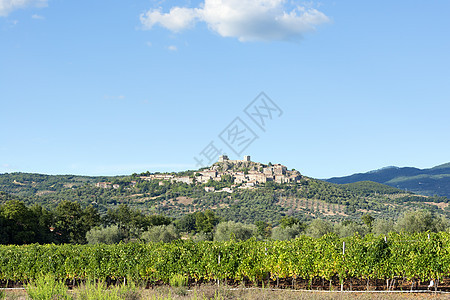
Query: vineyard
391 262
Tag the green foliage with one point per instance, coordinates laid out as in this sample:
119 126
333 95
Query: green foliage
368 188
108 235
47 287
368 220
287 233
186 223
98 291
350 229
400 256
93 291
132 222
230 230
203 237
139 204
162 233
318 228
72 222
178 280
205 221
27 184
382 226
125 218
289 221
17 224
264 229
420 221
23 225
267 203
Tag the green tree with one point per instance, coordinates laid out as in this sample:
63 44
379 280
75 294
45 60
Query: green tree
91 217
205 221
232 230
264 229
17 219
318 228
129 221
155 220
186 223
44 221
346 229
133 222
108 235
162 233
287 233
70 223
420 221
382 226
4 239
287 221
367 219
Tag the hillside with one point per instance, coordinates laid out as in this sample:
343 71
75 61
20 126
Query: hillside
235 190
429 182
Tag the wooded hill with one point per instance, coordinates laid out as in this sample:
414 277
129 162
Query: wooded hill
429 182
308 199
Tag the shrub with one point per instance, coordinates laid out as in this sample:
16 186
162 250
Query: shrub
162 233
203 236
287 233
178 280
232 230
382 226
47 287
420 221
318 228
109 235
99 291
350 229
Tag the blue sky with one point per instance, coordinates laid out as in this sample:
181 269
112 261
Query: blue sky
117 87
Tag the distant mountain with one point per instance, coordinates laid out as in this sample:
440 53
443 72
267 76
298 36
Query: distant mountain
429 182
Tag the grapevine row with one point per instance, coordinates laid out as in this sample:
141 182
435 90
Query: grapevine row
421 256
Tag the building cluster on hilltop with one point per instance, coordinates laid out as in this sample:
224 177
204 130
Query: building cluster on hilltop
110 185
107 185
249 174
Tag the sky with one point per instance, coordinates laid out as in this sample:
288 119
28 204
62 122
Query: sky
328 88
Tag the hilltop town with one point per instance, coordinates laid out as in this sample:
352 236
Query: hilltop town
243 173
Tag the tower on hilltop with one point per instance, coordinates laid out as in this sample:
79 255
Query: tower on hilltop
223 158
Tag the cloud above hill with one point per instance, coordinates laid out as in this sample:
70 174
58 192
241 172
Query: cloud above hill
246 20
7 6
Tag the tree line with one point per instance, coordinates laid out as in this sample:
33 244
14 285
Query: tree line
69 222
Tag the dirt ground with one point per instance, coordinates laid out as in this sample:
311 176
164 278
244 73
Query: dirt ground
227 293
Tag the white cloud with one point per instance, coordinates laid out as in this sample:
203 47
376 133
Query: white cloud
172 48
176 20
7 6
247 20
38 17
